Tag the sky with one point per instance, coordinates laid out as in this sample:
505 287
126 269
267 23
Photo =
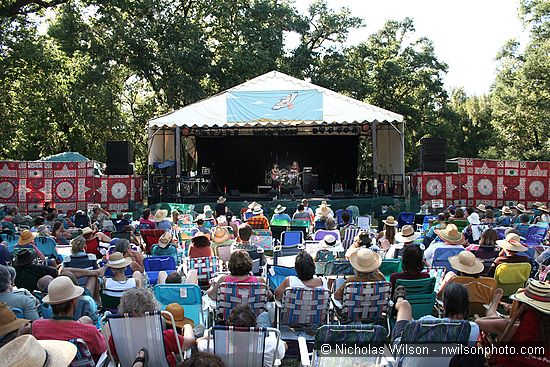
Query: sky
467 34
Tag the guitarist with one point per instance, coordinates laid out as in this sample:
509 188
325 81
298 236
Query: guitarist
275 176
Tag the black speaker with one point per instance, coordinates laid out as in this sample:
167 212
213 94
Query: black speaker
433 154
310 182
119 156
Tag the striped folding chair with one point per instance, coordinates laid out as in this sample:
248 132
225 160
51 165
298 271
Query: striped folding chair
364 301
349 236
206 267
234 294
83 356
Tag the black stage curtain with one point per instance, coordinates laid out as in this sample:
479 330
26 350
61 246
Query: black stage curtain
241 162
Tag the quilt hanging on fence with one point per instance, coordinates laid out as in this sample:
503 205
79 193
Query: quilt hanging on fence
70 185
489 182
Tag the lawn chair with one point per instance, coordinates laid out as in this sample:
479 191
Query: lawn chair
151 237
243 347
405 218
262 238
276 274
511 277
536 236
420 294
426 222
322 257
301 311
130 334
189 296
47 246
338 268
206 268
154 264
83 356
18 312
321 233
364 302
291 238
277 230
480 292
362 336
349 236
441 257
338 218
432 333
110 302
389 267
302 225
11 240
364 222
231 295
460 224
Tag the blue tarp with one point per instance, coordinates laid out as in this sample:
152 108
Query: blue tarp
65 157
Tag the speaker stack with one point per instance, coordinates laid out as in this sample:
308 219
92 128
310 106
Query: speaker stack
310 182
433 154
120 156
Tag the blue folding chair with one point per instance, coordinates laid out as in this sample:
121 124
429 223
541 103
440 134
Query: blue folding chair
189 296
426 222
292 238
276 274
441 257
47 246
154 264
535 235
405 218
339 220
11 240
18 312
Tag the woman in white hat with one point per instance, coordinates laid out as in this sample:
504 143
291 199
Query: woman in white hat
387 236
365 263
449 237
404 238
116 285
280 217
544 215
63 297
161 220
510 246
523 225
165 247
528 324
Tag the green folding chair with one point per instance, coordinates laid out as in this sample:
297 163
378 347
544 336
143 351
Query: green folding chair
420 295
390 266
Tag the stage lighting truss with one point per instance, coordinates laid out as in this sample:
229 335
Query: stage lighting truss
324 128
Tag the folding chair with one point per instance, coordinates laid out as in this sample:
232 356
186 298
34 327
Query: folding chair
322 257
291 238
130 334
277 230
321 233
302 225
338 268
362 336
480 292
189 296
354 210
441 257
262 238
511 277
364 302
389 267
234 294
83 356
11 240
154 264
420 294
432 333
276 274
536 236
47 246
426 222
206 268
405 218
364 222
243 347
151 237
81 220
349 236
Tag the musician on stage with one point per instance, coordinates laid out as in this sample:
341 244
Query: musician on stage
295 168
275 176
295 174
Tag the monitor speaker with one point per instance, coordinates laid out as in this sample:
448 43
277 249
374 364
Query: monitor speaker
433 154
120 156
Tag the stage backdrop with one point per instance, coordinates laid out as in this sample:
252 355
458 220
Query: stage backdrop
489 182
70 185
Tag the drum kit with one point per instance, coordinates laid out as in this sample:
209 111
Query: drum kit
287 179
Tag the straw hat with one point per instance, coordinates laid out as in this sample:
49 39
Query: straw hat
363 239
537 204
87 230
279 209
26 237
466 262
329 241
521 208
254 204
536 295
221 200
543 208
221 235
160 215
8 321
24 257
118 261
323 210
506 210
474 219
164 240
365 260
61 290
26 351
257 210
178 313
390 221
512 243
450 235
43 230
407 234
199 217
481 208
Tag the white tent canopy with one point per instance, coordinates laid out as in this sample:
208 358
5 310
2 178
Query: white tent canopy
333 108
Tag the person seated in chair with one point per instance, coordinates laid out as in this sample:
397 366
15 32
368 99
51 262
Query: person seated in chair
116 285
509 253
523 226
26 303
136 302
280 217
28 271
243 316
362 240
60 234
165 247
301 213
451 238
486 249
145 221
258 219
406 237
304 278
133 253
26 241
200 246
466 264
365 263
413 264
81 260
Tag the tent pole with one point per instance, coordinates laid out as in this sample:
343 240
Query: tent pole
374 154
178 150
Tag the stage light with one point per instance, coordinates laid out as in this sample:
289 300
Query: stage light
355 130
315 130
322 130
330 130
339 129
346 130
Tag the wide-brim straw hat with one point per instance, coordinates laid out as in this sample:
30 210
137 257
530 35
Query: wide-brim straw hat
537 204
322 210
257 210
118 261
165 239
26 351
407 234
329 241
61 290
450 235
481 208
178 312
221 200
520 207
221 235
365 260
160 215
536 295
26 237
543 208
512 243
506 210
466 262
199 217
390 221
474 219
279 209
87 230
254 204
8 321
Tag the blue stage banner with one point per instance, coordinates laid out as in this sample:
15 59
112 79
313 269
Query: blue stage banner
281 105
